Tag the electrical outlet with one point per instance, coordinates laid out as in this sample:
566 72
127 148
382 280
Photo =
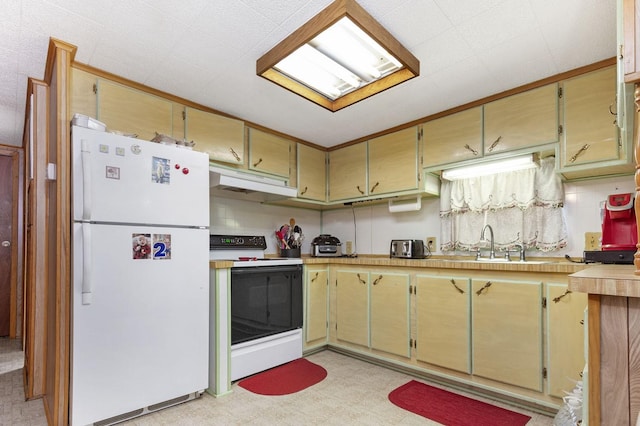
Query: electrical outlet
592 241
431 243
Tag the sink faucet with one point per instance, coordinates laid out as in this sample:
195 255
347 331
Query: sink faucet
492 252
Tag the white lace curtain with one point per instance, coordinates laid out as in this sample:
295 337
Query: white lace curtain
522 207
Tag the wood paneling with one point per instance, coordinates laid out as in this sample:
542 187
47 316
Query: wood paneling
614 374
36 244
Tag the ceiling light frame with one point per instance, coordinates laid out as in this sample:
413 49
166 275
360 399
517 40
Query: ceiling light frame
316 25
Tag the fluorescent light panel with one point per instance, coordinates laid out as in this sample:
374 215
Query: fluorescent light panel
333 55
490 168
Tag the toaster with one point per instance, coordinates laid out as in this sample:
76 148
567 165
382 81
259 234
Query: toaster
326 245
407 249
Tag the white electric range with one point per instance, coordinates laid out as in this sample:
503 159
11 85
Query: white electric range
262 306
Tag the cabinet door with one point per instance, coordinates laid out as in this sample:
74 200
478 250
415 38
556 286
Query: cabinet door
590 131
393 162
268 153
523 120
220 137
565 338
83 93
316 306
312 173
390 313
348 172
443 321
507 331
133 111
352 320
453 138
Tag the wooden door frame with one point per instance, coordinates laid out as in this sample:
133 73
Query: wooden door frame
17 235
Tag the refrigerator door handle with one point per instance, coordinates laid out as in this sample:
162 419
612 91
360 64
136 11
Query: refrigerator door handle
87 296
86 180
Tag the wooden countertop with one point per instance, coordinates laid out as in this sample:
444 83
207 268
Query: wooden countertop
550 265
610 280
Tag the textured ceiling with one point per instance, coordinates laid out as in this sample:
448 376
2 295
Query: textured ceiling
206 51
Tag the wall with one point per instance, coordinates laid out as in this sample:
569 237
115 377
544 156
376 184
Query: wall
372 228
231 216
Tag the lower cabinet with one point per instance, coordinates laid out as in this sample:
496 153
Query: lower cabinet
443 321
372 310
352 307
506 331
316 305
515 333
565 338
390 301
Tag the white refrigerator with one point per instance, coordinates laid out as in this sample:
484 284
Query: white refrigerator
139 337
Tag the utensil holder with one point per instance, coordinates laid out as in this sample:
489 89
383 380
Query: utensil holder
294 252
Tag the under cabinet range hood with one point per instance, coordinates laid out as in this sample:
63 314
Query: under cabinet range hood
236 184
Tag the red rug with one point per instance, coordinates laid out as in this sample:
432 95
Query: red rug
288 378
451 409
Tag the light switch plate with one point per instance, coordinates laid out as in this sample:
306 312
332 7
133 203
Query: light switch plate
592 241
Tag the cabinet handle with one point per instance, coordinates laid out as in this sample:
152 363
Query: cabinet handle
377 280
612 112
257 162
580 151
314 278
304 190
495 143
461 291
360 190
361 280
473 151
484 287
557 299
375 186
237 157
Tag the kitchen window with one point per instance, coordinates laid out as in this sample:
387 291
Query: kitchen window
523 207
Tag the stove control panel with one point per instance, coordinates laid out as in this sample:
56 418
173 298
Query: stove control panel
220 242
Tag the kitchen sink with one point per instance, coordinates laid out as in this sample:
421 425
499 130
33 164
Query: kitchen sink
500 260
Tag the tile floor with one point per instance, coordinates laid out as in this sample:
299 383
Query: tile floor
354 393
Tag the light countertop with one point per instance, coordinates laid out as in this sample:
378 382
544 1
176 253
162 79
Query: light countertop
547 265
610 280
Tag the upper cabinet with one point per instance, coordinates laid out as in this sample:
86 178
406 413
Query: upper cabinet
123 108
590 132
348 172
129 110
453 138
519 121
393 162
220 137
388 164
630 50
312 173
83 93
593 144
269 153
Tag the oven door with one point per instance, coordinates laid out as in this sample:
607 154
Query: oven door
265 300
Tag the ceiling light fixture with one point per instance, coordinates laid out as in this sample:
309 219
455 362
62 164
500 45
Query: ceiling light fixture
476 170
339 57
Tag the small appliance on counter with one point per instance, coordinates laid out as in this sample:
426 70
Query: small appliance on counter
326 245
619 232
407 249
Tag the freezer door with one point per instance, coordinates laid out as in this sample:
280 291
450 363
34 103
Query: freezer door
143 338
127 180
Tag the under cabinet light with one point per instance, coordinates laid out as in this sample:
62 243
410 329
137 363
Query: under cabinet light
339 57
489 168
